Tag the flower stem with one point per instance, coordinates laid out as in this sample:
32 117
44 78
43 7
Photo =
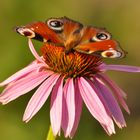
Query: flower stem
50 135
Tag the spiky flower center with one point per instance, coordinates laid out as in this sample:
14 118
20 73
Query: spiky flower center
72 64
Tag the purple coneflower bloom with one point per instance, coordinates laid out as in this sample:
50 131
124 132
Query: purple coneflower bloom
71 80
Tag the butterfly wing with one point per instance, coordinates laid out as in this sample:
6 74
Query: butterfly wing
107 48
97 41
39 31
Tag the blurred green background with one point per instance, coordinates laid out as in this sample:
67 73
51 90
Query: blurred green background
121 18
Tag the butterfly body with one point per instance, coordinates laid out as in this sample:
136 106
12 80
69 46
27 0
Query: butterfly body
73 36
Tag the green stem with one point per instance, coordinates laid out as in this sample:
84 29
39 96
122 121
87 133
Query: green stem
50 135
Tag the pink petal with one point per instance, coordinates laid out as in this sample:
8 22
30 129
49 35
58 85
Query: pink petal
78 108
108 130
124 68
118 92
30 68
22 86
35 54
110 102
39 97
56 106
64 114
69 95
94 104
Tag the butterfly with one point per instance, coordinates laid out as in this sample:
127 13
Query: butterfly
73 36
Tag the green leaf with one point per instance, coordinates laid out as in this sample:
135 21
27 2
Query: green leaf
50 135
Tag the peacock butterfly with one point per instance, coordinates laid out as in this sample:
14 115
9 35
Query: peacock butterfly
73 36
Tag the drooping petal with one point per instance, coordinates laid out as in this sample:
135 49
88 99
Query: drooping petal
56 106
124 68
69 95
78 108
39 97
64 114
108 130
118 92
30 68
22 86
35 54
95 105
110 102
